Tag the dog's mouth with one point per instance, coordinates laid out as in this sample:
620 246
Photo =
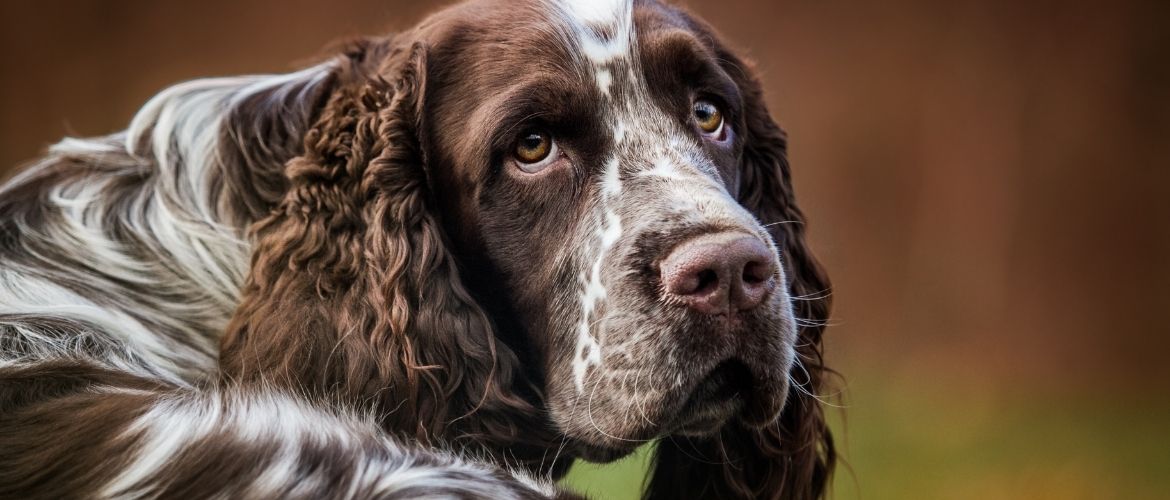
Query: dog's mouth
716 398
730 390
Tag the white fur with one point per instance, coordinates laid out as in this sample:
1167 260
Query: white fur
165 430
604 80
603 32
664 168
28 297
183 244
597 11
590 20
382 466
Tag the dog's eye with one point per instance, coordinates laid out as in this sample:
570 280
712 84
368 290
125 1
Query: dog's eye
708 117
533 149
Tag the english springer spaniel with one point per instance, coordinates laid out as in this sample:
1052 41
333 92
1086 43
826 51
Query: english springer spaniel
445 263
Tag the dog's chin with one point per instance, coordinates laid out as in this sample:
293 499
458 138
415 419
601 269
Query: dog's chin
708 419
601 454
715 400
727 393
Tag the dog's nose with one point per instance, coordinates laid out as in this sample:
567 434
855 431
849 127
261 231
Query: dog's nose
720 273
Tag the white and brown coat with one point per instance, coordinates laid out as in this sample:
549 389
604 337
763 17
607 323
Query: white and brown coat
343 282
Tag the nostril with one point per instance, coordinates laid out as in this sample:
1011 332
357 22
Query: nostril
708 282
757 272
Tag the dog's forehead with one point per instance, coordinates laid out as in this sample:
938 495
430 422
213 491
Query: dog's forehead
597 11
606 40
603 38
602 30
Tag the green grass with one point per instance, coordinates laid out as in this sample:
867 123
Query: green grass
902 443
620 480
957 445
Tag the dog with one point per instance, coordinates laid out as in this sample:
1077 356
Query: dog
445 262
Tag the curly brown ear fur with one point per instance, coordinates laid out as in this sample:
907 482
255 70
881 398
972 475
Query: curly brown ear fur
793 457
353 294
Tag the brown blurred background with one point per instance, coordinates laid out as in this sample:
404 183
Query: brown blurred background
988 183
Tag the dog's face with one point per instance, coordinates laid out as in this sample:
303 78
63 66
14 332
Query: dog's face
586 159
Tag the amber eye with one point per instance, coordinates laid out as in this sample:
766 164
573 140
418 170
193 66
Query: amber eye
708 117
533 146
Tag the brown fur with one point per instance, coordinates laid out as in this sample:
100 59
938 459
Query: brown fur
356 292
370 305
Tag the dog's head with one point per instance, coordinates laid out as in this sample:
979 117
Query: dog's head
574 214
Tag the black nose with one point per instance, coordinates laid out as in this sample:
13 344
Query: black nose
720 273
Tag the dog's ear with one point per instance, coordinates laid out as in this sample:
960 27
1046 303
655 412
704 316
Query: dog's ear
263 128
794 457
352 292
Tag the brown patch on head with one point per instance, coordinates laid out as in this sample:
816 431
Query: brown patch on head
371 307
414 265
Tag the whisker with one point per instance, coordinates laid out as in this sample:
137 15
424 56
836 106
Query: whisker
589 413
812 323
696 450
818 295
801 387
783 222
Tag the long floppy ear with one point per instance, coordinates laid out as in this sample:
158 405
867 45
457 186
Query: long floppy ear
352 293
794 457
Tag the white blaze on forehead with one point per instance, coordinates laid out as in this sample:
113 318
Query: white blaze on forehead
597 11
602 28
602 52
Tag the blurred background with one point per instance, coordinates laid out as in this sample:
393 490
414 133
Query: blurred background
988 184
